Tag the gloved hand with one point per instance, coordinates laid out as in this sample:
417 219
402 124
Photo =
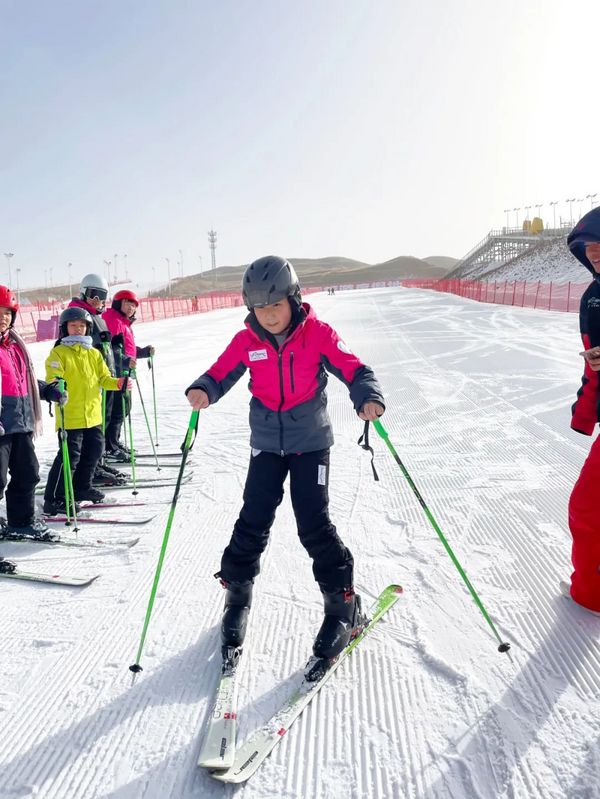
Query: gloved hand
52 393
129 384
145 352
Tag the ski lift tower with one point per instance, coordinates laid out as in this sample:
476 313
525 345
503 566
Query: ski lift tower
212 241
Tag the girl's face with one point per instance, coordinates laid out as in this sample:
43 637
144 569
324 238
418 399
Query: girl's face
76 327
276 317
128 307
5 319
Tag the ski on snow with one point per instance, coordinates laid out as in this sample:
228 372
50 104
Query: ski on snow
86 518
145 482
147 455
146 465
54 579
255 750
218 747
57 540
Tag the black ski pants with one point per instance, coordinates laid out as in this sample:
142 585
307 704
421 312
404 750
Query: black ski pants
18 457
309 476
114 421
85 446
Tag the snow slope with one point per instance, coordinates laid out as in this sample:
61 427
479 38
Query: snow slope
478 408
550 261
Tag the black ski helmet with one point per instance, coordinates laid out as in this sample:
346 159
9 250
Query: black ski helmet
70 315
268 280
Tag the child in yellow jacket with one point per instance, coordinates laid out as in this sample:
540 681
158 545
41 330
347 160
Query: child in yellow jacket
85 373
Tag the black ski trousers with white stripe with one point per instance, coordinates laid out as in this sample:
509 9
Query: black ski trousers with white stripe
309 477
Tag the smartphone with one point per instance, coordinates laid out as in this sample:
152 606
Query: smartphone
591 354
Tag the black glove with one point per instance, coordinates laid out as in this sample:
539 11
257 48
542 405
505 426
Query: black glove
118 340
52 393
104 335
145 352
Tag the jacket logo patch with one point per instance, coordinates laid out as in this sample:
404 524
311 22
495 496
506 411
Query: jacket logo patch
257 355
343 347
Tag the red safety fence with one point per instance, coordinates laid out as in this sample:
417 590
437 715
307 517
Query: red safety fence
39 322
522 293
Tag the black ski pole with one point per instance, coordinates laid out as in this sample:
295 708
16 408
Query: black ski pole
504 646
147 423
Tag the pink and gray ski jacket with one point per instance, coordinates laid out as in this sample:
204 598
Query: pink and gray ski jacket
288 409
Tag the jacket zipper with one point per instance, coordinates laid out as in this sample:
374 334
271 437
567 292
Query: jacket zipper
282 392
292 372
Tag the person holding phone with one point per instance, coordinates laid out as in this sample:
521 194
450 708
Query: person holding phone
584 519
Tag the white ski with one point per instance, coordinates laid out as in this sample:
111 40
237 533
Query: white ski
218 748
261 743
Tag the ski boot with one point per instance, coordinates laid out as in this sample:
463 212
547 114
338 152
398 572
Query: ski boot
90 495
104 476
57 506
7 566
113 471
37 530
235 619
343 621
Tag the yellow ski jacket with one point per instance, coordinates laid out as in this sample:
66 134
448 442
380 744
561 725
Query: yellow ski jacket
85 374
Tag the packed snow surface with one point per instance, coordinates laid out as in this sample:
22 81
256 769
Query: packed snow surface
478 403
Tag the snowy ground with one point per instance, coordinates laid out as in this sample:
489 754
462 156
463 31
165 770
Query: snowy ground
478 407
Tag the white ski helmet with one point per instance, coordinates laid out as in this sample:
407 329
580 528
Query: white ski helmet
94 281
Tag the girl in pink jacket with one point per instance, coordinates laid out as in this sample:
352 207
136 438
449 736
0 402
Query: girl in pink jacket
288 352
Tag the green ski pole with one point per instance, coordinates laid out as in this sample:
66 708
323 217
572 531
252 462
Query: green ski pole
105 348
67 476
504 646
127 423
187 445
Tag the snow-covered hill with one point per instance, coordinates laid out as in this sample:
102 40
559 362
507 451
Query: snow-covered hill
478 407
549 261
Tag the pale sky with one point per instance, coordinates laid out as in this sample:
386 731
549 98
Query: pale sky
313 128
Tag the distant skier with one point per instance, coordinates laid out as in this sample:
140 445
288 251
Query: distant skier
20 421
584 520
288 352
75 360
119 318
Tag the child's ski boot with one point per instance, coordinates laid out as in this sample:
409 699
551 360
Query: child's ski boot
238 599
343 621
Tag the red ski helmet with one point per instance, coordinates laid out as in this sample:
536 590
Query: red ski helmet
126 294
8 300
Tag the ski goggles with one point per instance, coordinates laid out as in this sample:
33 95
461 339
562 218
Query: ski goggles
100 294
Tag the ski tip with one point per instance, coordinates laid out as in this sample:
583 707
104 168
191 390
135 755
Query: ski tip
397 589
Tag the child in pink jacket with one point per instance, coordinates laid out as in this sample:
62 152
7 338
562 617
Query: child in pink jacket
288 352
